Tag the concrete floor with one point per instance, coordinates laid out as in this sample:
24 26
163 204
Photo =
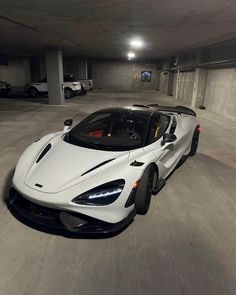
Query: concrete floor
185 245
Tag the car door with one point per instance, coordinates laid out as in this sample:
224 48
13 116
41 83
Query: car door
158 125
42 86
167 154
171 151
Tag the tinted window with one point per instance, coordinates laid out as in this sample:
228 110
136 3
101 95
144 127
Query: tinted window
115 131
69 78
157 127
173 126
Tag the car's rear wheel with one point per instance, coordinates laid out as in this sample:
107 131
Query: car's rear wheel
195 141
144 190
33 92
68 93
83 91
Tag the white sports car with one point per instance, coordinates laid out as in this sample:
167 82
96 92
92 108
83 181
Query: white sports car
94 177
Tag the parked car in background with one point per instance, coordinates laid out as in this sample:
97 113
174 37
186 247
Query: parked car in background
86 84
71 87
5 87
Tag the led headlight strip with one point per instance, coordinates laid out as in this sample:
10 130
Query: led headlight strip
102 195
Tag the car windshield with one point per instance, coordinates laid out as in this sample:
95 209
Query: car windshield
115 131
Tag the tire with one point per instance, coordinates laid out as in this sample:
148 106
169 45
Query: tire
195 141
144 190
33 92
83 91
68 93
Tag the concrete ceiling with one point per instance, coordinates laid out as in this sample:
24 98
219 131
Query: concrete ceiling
103 28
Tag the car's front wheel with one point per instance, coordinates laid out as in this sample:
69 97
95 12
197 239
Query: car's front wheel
144 190
33 92
68 93
83 91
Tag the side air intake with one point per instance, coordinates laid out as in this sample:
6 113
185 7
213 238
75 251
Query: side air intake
99 165
47 148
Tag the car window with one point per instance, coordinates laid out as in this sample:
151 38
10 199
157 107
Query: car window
69 78
116 131
157 127
173 125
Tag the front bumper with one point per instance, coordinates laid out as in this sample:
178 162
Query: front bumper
62 222
77 91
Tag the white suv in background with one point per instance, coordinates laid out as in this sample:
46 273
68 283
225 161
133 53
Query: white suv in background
71 87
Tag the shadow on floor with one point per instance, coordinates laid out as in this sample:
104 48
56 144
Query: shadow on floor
214 168
7 185
26 98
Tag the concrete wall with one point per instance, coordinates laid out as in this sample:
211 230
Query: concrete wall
17 72
112 75
186 80
174 84
184 83
37 68
164 82
220 93
155 79
76 66
123 75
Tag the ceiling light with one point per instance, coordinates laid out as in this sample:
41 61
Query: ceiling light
136 43
131 55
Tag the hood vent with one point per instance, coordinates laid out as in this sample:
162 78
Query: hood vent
47 148
99 165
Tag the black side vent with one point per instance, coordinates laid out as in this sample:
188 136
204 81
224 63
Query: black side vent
136 163
47 148
99 165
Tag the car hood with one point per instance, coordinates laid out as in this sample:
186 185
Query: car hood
65 165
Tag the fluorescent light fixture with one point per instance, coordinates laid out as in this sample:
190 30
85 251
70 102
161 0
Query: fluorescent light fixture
136 43
131 55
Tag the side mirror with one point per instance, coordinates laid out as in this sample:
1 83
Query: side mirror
168 137
67 124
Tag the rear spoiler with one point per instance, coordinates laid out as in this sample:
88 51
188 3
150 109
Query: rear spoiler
178 109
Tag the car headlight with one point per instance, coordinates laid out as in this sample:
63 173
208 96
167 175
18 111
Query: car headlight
102 195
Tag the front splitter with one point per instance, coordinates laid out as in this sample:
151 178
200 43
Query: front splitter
62 222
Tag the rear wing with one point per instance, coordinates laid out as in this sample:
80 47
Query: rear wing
177 109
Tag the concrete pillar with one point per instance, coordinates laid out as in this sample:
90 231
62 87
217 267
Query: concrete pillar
199 87
170 80
54 69
177 86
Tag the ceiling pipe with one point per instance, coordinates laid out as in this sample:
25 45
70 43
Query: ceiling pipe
207 64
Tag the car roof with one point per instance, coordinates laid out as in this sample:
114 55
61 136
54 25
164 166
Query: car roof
147 111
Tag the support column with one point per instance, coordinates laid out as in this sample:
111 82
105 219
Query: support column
199 87
170 79
54 76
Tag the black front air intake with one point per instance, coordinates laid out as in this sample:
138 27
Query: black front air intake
47 148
